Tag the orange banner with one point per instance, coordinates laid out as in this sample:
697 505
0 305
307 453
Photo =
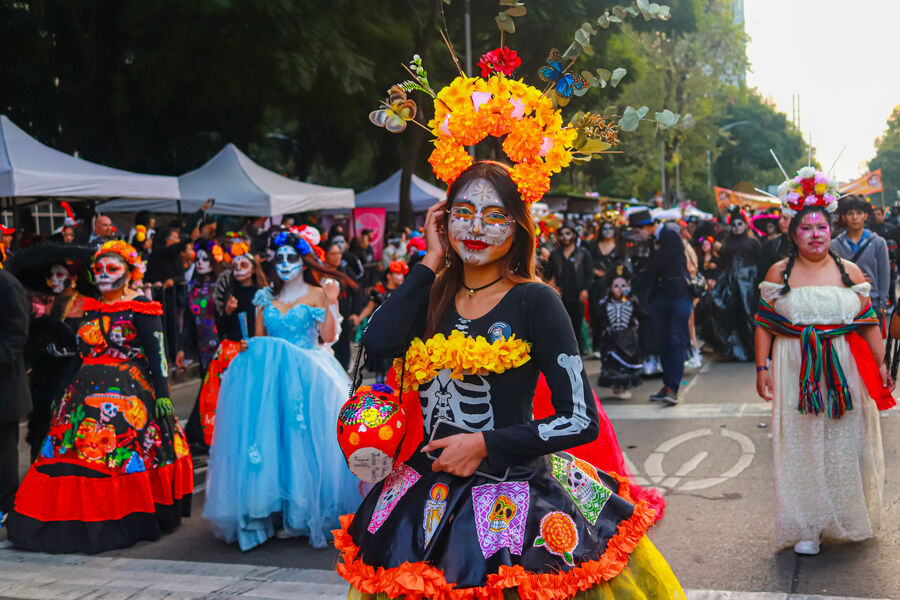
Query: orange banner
726 198
870 183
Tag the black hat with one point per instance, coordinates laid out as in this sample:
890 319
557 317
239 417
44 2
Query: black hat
640 217
31 265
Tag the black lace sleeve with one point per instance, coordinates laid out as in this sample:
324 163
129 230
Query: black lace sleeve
402 315
555 351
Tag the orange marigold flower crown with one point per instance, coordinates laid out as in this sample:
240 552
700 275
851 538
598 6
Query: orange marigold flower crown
127 252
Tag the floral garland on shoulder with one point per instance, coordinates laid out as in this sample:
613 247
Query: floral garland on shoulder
462 354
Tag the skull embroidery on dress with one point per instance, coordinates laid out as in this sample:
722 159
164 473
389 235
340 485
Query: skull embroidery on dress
466 402
501 511
580 479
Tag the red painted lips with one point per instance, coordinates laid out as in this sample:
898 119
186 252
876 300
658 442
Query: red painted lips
475 244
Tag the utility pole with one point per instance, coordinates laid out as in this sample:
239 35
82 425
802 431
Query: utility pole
662 167
468 24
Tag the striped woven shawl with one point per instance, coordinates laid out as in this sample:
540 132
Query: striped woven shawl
818 357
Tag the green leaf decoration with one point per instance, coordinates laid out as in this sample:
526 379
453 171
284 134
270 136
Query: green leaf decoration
630 120
582 37
593 146
620 12
505 23
666 119
688 121
603 20
516 11
642 111
604 75
587 49
581 92
615 19
589 28
572 52
617 76
589 77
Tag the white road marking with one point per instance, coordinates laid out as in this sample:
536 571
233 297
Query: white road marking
37 576
653 466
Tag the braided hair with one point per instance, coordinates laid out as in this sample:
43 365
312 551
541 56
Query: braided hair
793 252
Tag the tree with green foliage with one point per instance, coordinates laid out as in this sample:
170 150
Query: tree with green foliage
887 157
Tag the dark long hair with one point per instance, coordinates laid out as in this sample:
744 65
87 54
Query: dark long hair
517 265
793 252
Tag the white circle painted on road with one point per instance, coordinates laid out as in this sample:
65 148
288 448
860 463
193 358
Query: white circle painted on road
656 476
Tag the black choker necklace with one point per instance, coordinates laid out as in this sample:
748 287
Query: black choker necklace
472 291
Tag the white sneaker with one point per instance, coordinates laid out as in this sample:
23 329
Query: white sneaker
694 362
625 395
596 354
651 366
807 547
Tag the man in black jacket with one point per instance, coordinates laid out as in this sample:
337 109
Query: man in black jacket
573 275
670 302
15 399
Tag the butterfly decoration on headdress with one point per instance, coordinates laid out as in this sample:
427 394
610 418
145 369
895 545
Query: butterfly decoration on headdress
398 109
564 84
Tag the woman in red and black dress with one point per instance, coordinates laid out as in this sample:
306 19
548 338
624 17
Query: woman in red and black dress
115 467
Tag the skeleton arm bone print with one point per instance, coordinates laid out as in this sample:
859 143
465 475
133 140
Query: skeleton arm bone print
555 352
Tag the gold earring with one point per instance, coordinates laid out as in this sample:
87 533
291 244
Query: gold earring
447 262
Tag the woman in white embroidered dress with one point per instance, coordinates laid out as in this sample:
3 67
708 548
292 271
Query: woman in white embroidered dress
829 468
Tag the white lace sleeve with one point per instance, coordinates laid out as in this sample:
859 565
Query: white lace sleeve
770 291
862 289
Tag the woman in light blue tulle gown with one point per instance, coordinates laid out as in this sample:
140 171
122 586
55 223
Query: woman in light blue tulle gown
275 464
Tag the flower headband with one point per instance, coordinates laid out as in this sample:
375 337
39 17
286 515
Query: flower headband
128 254
808 188
212 248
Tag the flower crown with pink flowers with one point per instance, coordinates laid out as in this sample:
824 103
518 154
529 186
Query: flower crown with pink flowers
808 188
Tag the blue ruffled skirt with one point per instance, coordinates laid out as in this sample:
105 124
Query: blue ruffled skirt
275 460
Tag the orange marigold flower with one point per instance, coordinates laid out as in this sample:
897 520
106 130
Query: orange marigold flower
531 180
449 160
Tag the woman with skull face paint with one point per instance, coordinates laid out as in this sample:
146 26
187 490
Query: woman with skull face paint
233 302
200 289
115 453
485 506
274 463
827 356
735 294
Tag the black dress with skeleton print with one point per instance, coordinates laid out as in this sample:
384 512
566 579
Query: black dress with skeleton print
536 509
499 405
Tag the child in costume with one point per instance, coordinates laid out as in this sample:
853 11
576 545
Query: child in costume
617 318
393 278
274 461
115 467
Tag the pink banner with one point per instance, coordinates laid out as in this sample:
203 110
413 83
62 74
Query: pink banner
374 219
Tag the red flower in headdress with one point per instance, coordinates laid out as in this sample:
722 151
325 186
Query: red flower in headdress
502 61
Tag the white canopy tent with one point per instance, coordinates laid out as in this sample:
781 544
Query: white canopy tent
387 194
242 187
29 168
676 212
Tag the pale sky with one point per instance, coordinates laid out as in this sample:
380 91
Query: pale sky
841 58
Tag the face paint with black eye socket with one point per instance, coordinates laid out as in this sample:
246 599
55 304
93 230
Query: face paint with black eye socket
110 272
288 263
59 278
608 231
243 267
204 264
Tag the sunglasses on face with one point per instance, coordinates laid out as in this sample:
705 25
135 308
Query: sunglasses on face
490 217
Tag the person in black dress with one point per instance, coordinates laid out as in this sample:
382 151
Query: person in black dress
496 500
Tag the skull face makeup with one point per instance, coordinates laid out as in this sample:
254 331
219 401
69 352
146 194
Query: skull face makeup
739 227
813 236
288 263
479 227
204 264
110 272
608 231
59 278
243 267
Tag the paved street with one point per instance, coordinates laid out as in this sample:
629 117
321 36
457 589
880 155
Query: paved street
711 455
